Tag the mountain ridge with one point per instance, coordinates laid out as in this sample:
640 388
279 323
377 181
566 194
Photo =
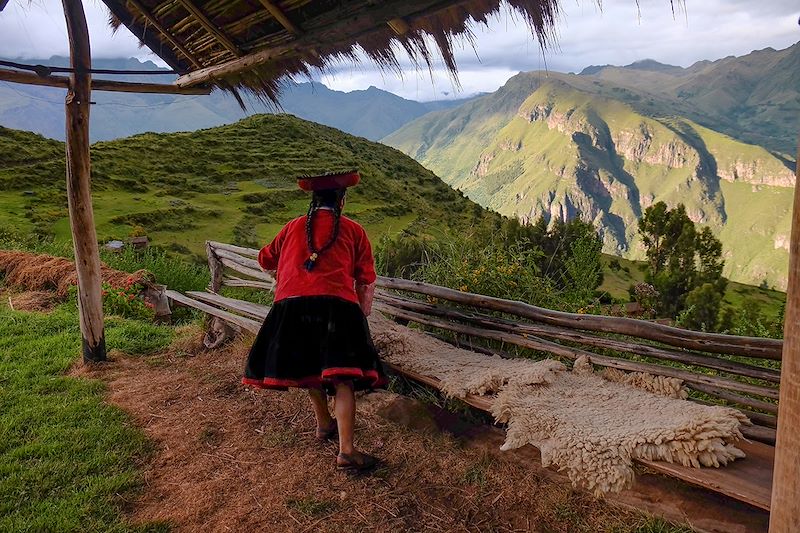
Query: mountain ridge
371 113
561 145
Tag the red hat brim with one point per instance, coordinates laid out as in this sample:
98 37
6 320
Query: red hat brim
341 180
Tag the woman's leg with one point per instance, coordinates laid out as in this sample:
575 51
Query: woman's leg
319 403
345 416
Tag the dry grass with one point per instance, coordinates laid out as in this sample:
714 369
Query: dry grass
40 301
232 459
40 272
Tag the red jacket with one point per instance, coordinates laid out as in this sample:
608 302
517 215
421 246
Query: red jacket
339 268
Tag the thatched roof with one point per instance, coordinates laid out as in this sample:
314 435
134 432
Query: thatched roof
257 45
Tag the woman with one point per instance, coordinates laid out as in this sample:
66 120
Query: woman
316 335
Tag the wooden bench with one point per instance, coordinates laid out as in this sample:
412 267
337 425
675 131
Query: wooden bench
748 480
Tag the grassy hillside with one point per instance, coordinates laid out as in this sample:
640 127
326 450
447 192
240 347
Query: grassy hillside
233 183
562 146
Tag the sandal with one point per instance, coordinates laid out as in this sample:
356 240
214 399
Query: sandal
331 433
356 462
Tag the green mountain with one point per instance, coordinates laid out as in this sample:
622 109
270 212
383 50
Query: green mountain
754 98
233 183
561 146
371 113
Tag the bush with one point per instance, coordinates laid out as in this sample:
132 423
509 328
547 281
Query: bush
493 269
402 256
702 308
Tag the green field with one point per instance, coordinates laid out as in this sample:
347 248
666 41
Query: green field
233 183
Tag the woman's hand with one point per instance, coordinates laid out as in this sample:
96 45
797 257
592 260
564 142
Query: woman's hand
365 294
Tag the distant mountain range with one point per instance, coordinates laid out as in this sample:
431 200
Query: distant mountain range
371 113
606 144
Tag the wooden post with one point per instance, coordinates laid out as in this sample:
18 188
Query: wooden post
79 194
785 509
215 266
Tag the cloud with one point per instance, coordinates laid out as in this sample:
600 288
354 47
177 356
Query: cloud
618 34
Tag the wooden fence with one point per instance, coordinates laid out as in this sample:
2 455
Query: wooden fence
725 368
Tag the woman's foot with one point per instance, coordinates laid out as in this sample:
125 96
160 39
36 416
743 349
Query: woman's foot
356 461
328 433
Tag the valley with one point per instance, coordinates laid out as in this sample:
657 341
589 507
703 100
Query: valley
560 146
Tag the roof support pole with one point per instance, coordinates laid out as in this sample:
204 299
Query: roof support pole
79 195
785 508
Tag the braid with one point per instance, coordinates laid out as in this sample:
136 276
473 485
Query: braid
316 203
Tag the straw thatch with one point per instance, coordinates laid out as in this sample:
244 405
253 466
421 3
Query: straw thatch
275 41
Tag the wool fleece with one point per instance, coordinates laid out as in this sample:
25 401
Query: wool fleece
591 426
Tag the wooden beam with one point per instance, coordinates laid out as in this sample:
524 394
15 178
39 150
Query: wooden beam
29 78
785 515
165 32
281 17
79 194
399 26
245 323
684 338
347 28
210 27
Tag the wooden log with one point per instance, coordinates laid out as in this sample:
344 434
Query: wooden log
238 282
210 27
785 514
738 398
256 311
759 433
241 250
684 338
79 194
257 274
215 266
30 78
245 323
535 343
688 358
152 21
238 259
281 17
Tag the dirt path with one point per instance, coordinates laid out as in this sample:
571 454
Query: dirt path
230 459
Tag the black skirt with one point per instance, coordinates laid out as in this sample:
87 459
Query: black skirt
314 342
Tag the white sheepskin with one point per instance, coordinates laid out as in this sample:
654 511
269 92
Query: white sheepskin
590 426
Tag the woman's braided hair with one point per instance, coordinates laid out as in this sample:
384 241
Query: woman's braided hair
331 198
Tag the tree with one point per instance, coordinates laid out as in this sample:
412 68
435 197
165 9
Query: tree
680 258
702 308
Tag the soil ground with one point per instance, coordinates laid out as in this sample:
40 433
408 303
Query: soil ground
232 459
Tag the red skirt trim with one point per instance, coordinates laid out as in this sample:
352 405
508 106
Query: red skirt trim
329 375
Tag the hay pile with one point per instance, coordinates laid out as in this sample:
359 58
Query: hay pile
40 272
40 301
590 425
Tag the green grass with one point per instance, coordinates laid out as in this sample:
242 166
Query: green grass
67 459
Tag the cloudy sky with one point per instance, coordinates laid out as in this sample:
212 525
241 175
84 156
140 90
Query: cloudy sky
619 34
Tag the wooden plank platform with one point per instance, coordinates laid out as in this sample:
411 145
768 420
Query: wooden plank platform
747 480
